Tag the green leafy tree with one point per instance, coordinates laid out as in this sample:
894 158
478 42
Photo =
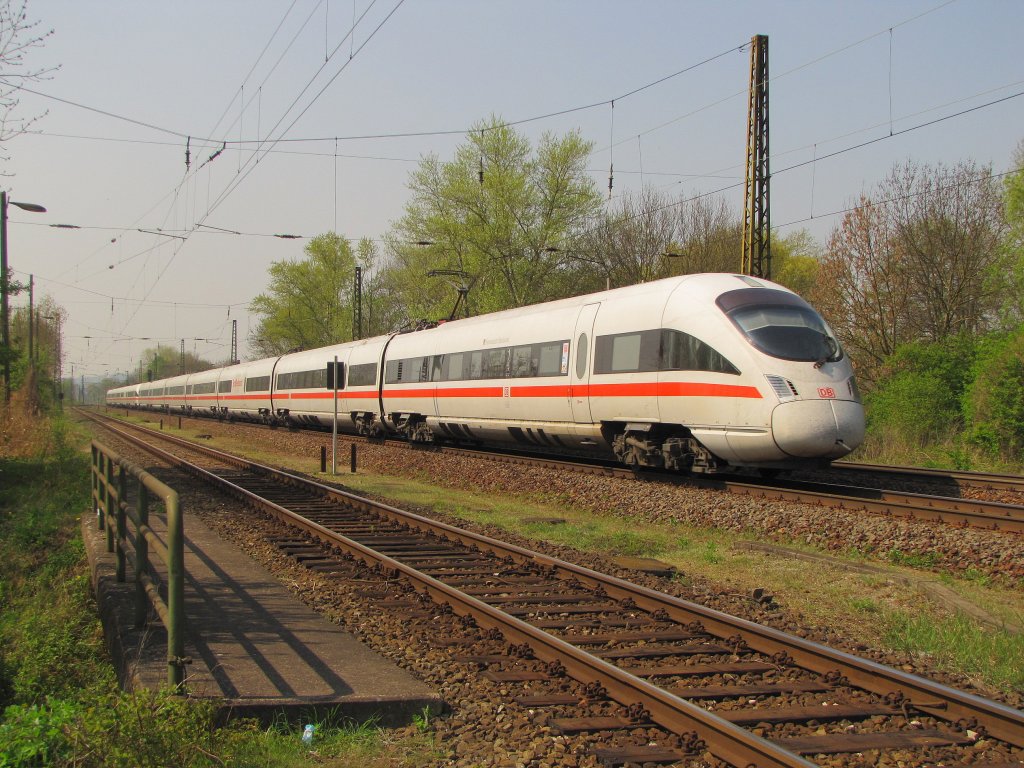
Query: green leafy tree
308 303
380 305
795 262
1013 201
498 221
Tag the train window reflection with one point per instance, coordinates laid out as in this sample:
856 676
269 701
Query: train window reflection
683 352
788 332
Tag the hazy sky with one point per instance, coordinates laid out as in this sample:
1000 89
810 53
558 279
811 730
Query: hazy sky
247 70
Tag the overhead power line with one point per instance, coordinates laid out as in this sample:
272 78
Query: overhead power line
897 198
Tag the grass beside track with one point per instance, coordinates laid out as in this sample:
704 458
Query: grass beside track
60 704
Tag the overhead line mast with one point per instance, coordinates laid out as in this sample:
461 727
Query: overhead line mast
757 247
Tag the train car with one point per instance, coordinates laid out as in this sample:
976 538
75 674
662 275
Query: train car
231 394
201 392
151 394
693 373
117 397
174 398
243 390
305 386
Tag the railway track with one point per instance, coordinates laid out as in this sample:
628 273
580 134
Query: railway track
952 478
602 655
990 515
944 509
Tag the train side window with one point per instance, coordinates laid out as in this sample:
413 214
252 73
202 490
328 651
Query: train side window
257 384
581 356
362 375
476 365
496 363
436 366
453 367
524 364
683 352
627 352
550 359
224 386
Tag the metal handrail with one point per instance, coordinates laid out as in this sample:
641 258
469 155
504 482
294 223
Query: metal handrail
110 481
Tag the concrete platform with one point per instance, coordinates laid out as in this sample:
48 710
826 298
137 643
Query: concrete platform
254 646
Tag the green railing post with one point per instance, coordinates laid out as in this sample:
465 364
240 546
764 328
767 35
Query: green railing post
122 503
102 488
108 485
141 557
94 478
175 592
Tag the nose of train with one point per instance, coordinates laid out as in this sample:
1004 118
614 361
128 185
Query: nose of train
827 429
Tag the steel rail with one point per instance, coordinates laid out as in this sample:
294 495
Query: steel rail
987 515
960 477
940 701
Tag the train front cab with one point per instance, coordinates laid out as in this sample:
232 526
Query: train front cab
818 413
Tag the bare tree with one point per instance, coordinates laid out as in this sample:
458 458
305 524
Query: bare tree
862 288
708 234
18 36
920 259
650 236
627 244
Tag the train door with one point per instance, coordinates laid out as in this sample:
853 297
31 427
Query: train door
580 364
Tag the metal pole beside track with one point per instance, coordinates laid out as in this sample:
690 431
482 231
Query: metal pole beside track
175 593
334 423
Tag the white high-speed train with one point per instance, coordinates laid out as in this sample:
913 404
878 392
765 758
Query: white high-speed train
697 373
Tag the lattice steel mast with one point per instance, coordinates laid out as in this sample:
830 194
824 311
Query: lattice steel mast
757 249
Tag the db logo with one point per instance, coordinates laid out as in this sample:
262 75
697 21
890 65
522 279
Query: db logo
826 392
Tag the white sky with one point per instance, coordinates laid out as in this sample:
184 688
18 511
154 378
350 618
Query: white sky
839 77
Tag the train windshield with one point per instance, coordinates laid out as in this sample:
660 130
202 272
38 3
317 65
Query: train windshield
781 325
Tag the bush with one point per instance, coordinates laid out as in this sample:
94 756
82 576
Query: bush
34 735
994 401
919 393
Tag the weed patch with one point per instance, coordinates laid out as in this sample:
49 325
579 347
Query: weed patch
959 643
923 560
